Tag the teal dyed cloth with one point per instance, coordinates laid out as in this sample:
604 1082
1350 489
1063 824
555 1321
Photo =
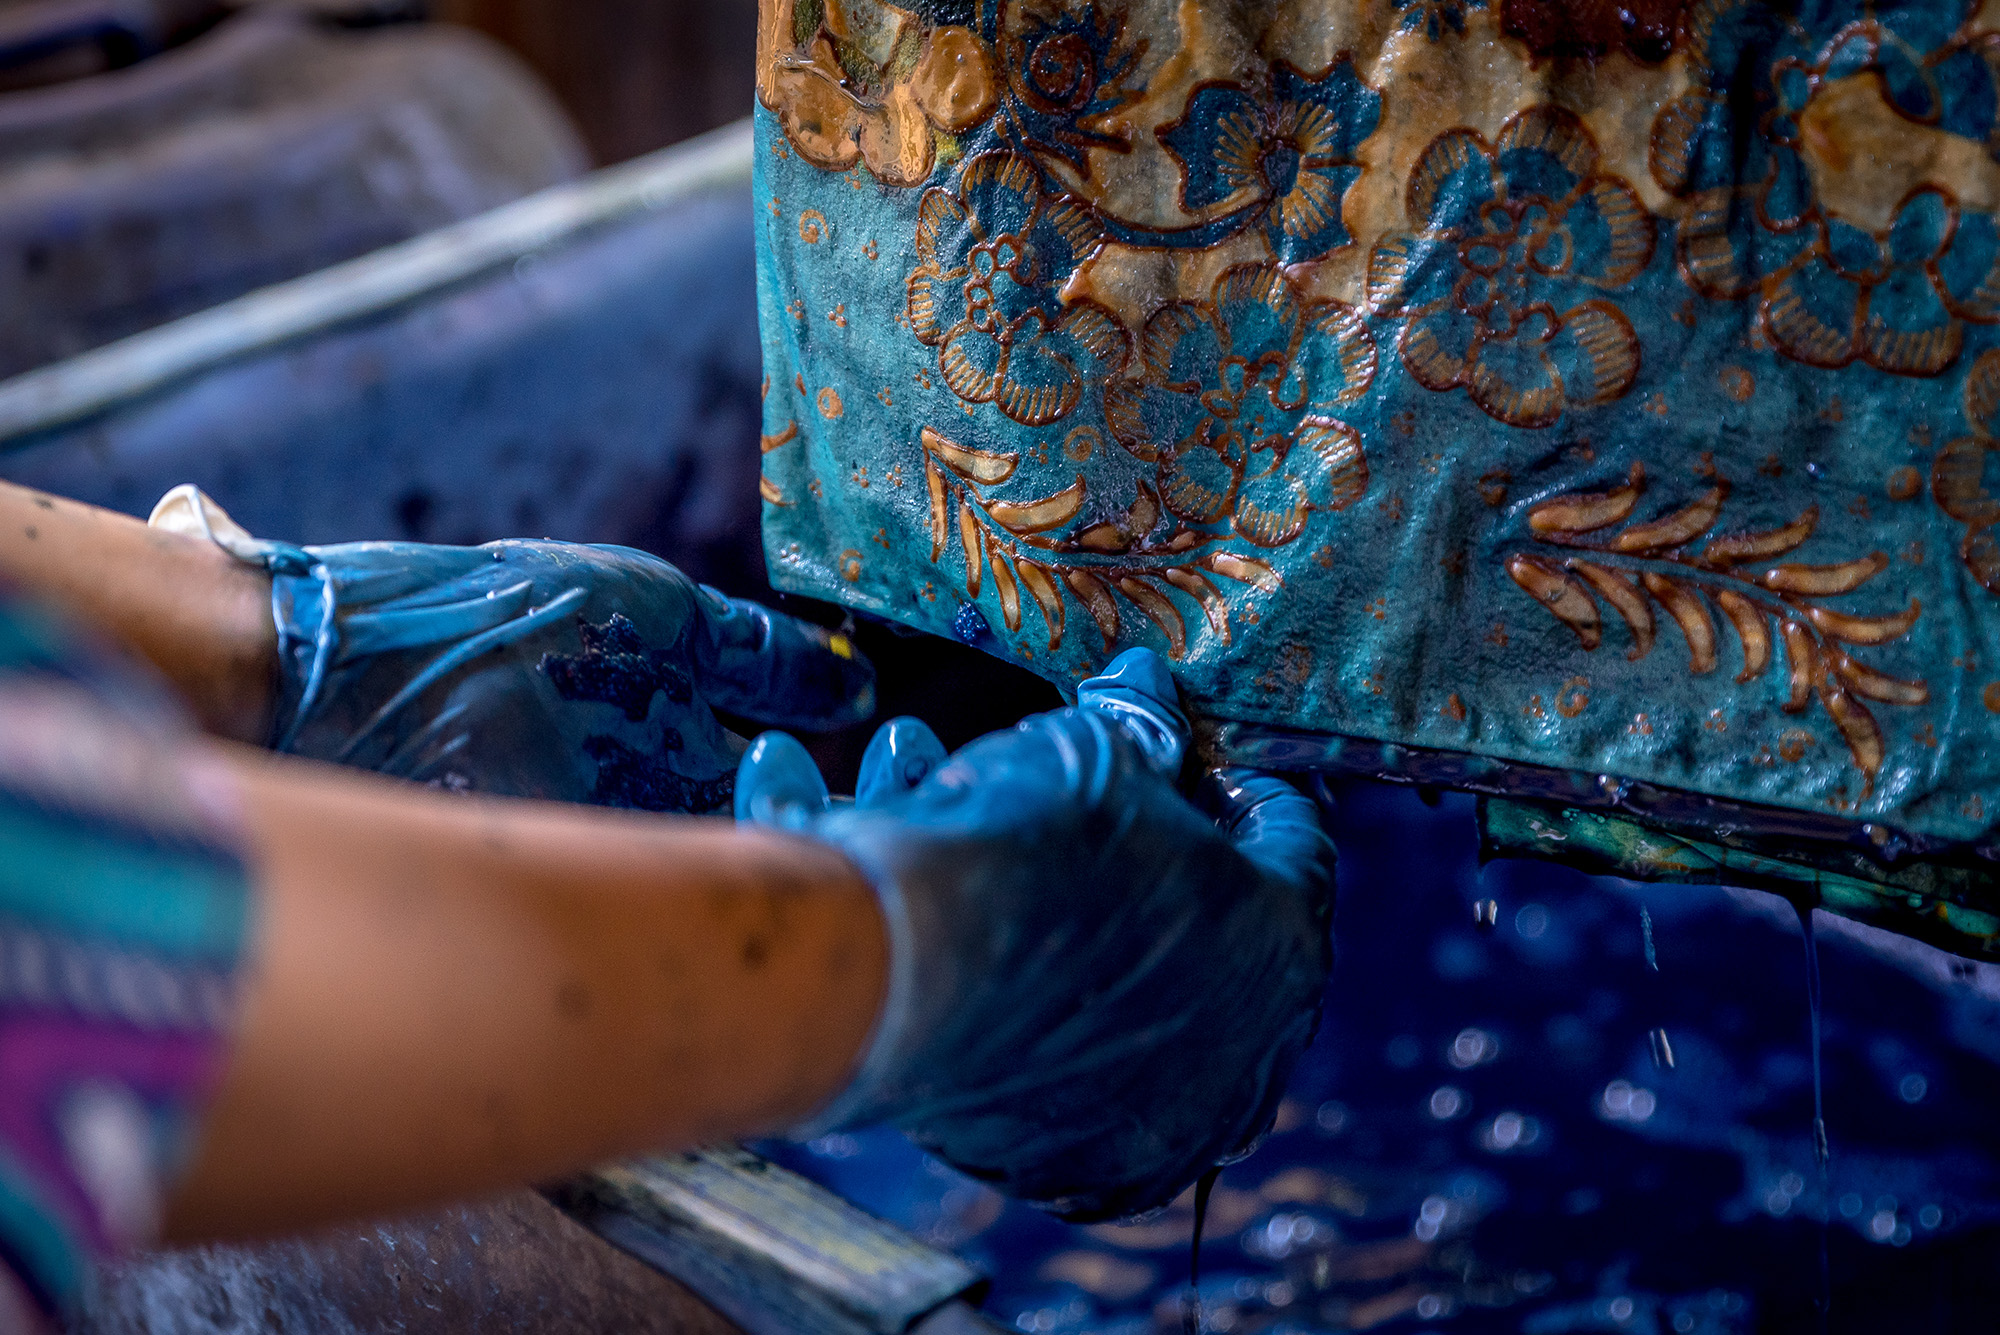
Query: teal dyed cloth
1411 376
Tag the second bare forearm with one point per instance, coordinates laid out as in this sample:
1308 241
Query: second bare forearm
457 994
198 615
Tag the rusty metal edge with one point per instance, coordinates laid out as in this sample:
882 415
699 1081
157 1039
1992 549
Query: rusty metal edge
94 382
772 1251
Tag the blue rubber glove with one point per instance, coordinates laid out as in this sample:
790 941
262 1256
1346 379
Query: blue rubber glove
1097 990
541 669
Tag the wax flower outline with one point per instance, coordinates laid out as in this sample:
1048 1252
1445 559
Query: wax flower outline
1511 231
1236 402
993 252
1280 154
1830 292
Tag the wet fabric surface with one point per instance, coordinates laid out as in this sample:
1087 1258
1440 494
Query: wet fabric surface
1481 1140
1473 376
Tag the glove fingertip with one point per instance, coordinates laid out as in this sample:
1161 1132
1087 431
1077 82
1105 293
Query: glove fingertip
777 669
1270 822
1139 670
1138 690
777 783
901 755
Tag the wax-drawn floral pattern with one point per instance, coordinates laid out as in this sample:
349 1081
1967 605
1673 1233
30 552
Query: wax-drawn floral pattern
1960 472
1743 576
1436 18
1930 70
1236 403
1071 72
1119 356
1829 292
1108 565
1895 299
863 81
1502 291
992 257
1280 155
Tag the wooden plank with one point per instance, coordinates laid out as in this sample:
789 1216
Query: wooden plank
775 1253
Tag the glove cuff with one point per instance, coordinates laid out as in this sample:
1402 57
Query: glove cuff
189 510
300 592
419 612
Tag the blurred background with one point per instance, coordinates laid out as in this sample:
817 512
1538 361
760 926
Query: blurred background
634 74
160 158
1488 1135
162 155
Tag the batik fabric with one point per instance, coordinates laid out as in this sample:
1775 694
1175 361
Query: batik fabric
1608 395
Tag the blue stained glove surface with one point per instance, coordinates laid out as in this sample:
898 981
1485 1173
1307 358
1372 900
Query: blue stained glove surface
1097 990
541 669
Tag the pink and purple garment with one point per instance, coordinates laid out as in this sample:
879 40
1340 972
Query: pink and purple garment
123 917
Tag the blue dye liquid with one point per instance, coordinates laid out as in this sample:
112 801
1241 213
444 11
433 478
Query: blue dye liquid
1191 1311
1479 1142
1822 1152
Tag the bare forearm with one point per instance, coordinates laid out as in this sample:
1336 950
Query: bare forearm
456 994
196 613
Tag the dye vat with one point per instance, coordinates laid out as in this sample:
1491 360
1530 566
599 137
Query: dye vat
1482 1139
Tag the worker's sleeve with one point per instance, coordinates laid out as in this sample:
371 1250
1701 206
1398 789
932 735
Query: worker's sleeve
123 916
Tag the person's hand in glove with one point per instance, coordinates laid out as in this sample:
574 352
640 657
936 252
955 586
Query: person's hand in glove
1097 990
530 669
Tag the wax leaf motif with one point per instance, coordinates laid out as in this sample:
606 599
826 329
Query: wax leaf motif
1653 564
1106 567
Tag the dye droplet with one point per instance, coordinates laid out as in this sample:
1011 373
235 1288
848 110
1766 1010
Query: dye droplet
1191 1305
1656 1039
1486 914
1822 1154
